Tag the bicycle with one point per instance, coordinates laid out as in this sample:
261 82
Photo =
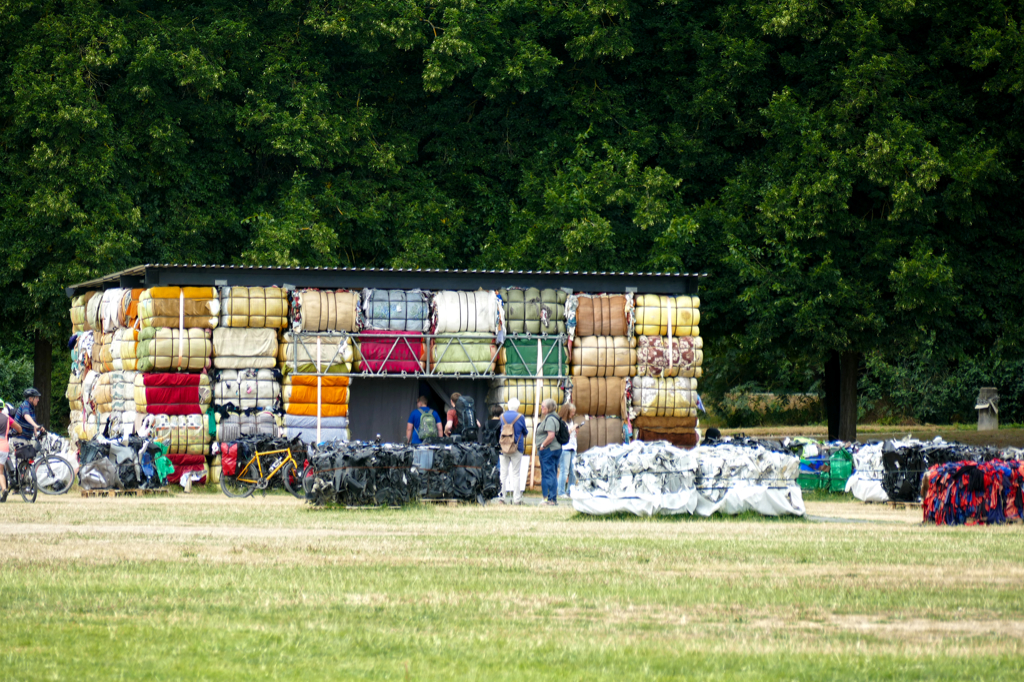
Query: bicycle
53 474
260 473
19 475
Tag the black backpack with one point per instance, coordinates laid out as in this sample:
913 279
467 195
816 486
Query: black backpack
465 408
563 432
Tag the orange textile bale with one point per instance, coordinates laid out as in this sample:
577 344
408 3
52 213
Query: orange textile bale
599 396
602 316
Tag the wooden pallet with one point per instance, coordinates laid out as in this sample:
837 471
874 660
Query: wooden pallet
135 492
442 502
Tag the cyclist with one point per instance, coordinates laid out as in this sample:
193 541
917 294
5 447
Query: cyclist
7 426
25 415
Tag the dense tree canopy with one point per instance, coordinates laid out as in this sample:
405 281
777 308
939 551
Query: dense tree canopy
848 172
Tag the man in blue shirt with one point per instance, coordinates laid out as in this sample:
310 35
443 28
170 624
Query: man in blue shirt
25 415
423 416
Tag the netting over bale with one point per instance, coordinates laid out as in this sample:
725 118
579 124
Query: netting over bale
396 310
658 478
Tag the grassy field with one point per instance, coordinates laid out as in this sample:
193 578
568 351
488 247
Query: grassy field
202 587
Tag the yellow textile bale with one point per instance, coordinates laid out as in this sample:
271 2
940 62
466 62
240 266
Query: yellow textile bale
603 356
182 434
302 353
235 348
254 307
526 391
671 397
123 347
655 313
102 360
189 307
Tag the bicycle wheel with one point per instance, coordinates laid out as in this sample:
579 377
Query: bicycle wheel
27 483
53 475
232 487
308 479
292 478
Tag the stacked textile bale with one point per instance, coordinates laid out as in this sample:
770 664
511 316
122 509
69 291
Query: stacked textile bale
519 357
187 439
597 432
534 311
172 394
78 306
973 493
599 315
658 478
313 310
669 357
396 310
312 401
391 352
457 312
467 353
93 313
253 307
316 353
247 389
114 394
102 360
231 427
180 307
529 392
163 349
124 345
603 356
128 311
244 348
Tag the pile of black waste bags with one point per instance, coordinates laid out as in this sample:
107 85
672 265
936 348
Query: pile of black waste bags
123 464
905 462
355 474
458 471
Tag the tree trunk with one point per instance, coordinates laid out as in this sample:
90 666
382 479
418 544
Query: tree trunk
849 366
41 373
832 395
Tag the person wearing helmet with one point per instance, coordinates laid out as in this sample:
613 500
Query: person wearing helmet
25 415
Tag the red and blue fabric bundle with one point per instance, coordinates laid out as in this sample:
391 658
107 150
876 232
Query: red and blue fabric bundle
975 493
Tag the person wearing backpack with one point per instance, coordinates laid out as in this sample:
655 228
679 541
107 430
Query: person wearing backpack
550 450
512 434
424 424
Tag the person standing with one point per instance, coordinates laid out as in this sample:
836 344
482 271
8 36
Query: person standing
7 427
512 434
451 424
550 451
422 424
566 462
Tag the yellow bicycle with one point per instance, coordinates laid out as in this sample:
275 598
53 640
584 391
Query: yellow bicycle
264 470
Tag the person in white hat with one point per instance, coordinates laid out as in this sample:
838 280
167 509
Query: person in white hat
511 443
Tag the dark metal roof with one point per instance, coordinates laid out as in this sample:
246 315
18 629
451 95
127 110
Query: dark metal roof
157 274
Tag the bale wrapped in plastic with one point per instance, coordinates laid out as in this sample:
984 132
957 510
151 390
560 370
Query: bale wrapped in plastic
317 353
233 426
656 357
187 307
600 315
182 434
468 353
172 394
309 396
110 307
128 310
124 345
457 312
314 310
459 471
659 315
518 357
102 360
305 428
534 311
669 397
658 478
362 474
396 310
253 307
235 348
94 313
597 432
599 396
527 391
78 306
81 354
162 349
604 356
187 465
115 392
391 352
73 393
246 389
